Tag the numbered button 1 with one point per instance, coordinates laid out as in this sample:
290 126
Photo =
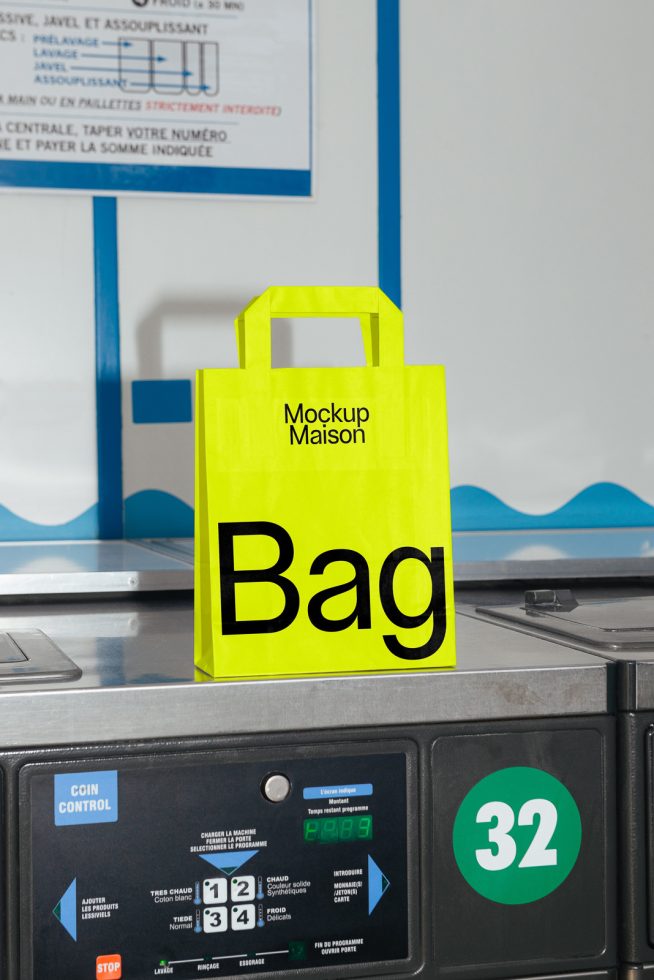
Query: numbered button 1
215 920
214 891
243 917
243 889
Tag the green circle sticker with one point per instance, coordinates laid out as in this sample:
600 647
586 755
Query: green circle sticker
517 835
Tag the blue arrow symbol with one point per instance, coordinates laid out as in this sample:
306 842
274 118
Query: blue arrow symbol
118 44
378 885
126 57
158 85
65 911
132 71
228 861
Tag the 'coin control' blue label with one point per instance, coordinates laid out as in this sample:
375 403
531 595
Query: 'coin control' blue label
86 797
345 789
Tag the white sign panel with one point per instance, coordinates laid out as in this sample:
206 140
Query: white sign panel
185 96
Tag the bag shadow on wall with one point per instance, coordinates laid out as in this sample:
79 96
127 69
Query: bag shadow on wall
160 355
176 337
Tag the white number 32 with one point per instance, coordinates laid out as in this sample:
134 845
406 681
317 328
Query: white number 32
503 853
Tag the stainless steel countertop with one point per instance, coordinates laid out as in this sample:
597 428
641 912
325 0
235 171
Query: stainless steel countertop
78 567
492 556
138 681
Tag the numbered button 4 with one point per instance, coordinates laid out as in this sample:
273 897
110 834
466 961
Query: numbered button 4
214 891
243 917
215 920
243 889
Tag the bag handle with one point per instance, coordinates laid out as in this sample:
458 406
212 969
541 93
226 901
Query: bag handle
381 320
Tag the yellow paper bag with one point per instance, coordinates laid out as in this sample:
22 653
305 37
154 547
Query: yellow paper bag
322 512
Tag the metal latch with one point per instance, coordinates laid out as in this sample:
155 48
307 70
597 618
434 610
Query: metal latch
561 600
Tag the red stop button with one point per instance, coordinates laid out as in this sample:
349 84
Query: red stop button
109 967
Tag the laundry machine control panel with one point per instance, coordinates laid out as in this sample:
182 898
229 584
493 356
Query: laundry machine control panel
202 866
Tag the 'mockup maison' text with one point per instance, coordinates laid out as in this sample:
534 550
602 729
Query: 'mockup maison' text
310 426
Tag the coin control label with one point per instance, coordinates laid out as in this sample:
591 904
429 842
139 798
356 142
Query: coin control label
199 875
85 797
517 835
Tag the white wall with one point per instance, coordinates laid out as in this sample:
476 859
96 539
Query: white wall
528 237
47 365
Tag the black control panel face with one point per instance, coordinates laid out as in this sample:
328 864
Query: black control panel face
211 866
522 844
649 809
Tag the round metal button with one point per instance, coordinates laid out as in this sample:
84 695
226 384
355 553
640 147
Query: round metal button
276 788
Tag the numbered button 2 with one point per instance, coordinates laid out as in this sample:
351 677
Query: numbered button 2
214 891
215 919
243 889
243 917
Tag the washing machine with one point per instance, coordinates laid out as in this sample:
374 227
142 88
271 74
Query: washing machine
157 823
592 591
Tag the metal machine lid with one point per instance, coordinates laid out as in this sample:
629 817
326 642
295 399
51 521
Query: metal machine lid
612 625
547 555
28 655
83 567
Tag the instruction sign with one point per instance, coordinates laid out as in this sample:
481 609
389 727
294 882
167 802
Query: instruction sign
175 96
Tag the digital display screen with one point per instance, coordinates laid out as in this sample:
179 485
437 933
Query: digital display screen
335 830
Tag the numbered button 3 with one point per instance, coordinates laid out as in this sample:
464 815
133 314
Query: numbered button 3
243 889
215 919
214 891
243 917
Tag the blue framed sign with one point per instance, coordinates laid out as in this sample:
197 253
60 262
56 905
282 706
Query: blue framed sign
159 96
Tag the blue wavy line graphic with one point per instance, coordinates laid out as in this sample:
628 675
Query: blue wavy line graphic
155 514
600 505
14 528
148 514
